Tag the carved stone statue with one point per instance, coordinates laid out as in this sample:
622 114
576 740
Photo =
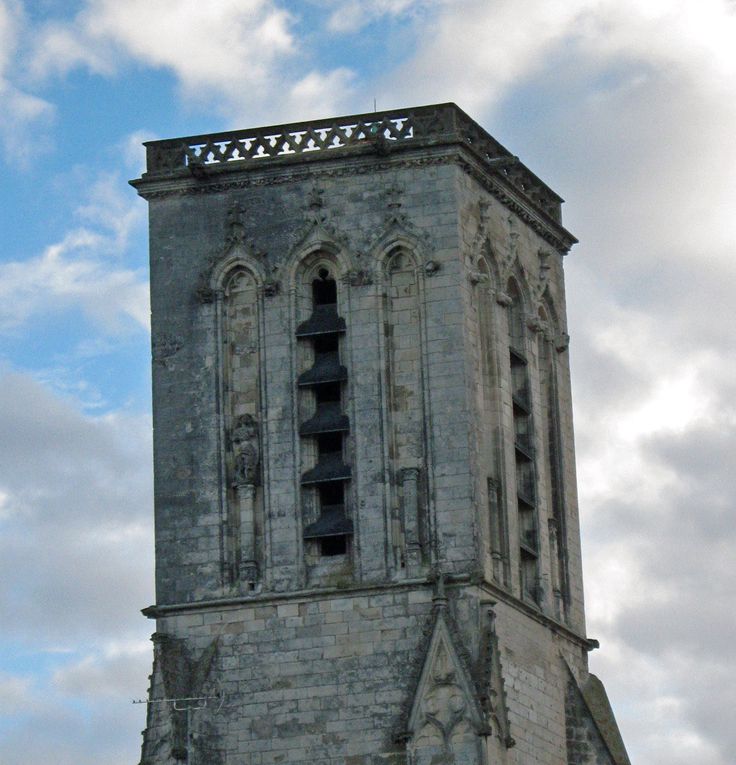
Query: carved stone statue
246 449
235 229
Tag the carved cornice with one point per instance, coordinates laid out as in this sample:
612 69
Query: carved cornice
256 178
550 230
499 186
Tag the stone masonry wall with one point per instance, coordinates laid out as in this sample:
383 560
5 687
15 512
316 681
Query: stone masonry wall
330 679
422 641
360 217
496 240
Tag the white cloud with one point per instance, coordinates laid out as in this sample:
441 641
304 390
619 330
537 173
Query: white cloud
16 695
240 57
77 271
231 42
472 51
133 151
22 113
348 16
60 48
113 673
328 91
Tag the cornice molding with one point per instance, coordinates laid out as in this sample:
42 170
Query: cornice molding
548 229
498 594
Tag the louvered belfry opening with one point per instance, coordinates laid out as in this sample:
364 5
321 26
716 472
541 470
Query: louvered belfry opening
524 456
328 425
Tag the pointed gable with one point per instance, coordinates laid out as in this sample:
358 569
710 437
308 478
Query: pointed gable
493 690
446 719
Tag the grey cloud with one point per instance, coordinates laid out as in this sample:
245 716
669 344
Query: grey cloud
75 552
46 727
76 566
680 622
64 737
107 678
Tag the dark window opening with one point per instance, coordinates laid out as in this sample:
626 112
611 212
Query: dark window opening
332 493
329 443
333 546
327 392
326 343
324 290
332 530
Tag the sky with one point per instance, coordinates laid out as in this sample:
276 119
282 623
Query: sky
627 108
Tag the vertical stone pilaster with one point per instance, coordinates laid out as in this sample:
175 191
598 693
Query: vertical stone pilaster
247 564
554 557
409 477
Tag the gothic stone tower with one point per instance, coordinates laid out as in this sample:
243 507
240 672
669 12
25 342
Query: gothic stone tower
367 544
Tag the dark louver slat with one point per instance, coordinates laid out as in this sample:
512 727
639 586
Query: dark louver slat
327 368
331 523
329 468
327 419
324 320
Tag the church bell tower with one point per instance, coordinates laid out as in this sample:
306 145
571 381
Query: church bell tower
367 542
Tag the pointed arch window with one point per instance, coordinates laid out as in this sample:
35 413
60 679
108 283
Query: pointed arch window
497 513
524 456
552 438
329 530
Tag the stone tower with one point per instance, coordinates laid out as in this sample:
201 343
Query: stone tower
367 544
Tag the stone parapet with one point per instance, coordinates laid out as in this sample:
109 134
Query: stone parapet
387 132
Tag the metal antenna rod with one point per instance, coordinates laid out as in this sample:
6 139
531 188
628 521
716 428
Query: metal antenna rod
199 702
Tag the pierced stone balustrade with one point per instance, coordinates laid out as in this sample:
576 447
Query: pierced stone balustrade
373 132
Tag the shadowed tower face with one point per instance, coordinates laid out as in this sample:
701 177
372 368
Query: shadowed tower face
367 543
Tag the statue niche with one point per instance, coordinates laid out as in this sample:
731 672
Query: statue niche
246 459
242 384
246 450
